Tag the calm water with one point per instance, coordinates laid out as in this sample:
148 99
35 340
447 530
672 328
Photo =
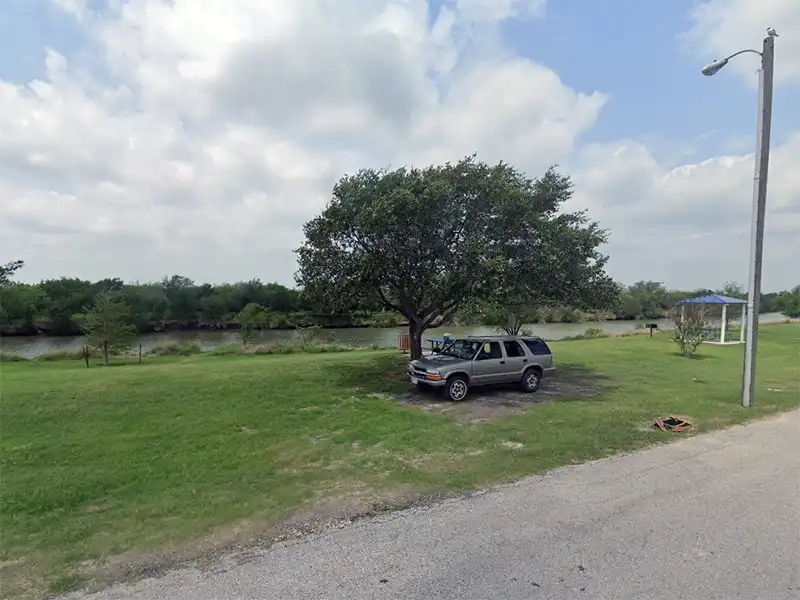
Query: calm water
208 340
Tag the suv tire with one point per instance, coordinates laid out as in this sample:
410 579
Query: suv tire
531 380
456 389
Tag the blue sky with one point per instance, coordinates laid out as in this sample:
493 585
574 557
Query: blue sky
240 161
634 51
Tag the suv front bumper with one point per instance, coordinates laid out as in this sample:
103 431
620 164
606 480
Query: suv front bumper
426 378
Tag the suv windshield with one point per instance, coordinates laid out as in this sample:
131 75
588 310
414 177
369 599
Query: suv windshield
463 349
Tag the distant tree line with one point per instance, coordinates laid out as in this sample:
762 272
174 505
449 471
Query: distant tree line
59 306
56 306
645 300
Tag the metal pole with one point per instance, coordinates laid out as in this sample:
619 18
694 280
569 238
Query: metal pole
765 77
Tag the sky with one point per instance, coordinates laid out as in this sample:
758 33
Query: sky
143 138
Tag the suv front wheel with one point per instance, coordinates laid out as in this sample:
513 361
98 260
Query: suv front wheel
531 380
456 389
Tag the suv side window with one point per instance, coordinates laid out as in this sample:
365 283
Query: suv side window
537 347
494 351
513 349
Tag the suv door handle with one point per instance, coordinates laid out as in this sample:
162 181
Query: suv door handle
502 362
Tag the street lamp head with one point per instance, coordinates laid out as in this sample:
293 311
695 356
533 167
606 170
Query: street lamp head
711 69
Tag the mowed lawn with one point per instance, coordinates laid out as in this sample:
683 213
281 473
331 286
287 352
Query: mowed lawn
187 454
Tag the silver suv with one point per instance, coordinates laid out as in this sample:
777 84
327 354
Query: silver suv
465 362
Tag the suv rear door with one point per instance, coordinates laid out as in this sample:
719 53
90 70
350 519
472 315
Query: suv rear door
516 360
541 353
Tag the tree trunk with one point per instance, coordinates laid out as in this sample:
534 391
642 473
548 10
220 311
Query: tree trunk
415 330
105 354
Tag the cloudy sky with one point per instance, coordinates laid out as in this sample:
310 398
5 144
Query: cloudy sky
146 137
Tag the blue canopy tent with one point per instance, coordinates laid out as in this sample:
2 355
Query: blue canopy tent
724 301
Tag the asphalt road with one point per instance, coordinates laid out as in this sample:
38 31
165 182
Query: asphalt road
712 517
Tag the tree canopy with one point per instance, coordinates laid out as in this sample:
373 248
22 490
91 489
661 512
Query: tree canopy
554 262
428 241
7 271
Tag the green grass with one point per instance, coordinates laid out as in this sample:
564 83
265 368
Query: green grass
187 453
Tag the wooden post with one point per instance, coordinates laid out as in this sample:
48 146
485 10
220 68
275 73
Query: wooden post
140 352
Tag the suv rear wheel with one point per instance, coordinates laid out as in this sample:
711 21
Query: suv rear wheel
531 380
456 389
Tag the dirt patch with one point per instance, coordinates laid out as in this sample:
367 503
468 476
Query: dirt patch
489 403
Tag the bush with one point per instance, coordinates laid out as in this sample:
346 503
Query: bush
279 348
229 350
312 335
572 338
689 325
63 355
574 316
11 357
594 332
176 349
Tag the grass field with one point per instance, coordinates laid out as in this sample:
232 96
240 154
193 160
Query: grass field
108 473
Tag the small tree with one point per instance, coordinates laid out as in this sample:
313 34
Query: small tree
105 324
251 317
689 322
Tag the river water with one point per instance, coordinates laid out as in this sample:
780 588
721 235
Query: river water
33 346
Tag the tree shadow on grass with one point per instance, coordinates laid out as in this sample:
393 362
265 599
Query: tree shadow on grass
384 373
386 377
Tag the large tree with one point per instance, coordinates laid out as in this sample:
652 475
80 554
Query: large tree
427 241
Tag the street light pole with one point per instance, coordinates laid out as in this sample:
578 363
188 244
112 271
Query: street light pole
765 79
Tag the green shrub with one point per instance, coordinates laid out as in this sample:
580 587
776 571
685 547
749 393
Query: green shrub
11 357
573 338
594 332
312 335
176 349
279 348
63 355
574 316
228 350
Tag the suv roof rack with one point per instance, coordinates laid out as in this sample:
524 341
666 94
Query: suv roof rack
504 336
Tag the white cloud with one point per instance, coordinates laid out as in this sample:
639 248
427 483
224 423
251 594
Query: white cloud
227 123
499 10
722 27
691 223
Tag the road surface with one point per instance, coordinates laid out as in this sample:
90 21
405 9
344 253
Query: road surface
712 517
